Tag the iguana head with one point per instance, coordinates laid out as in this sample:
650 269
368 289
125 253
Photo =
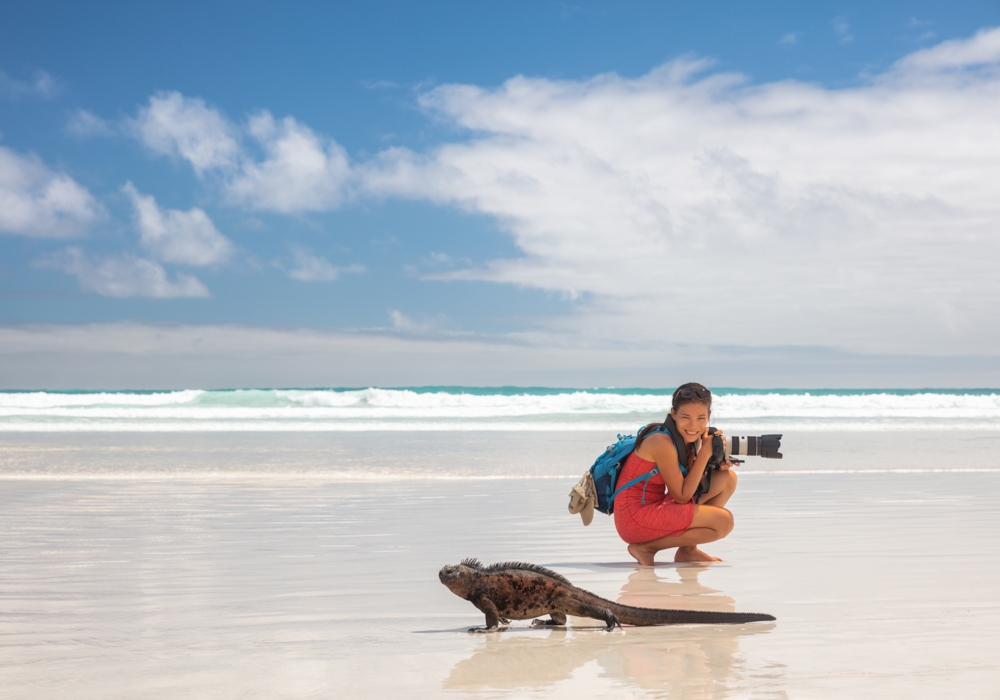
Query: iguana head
458 578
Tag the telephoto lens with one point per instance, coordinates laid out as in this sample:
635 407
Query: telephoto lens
725 449
754 446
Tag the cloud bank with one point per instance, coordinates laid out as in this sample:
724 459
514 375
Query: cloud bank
686 206
121 355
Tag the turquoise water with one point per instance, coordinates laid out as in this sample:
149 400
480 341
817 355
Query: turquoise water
451 408
538 391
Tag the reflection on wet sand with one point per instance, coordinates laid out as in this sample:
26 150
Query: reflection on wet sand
506 661
674 587
703 660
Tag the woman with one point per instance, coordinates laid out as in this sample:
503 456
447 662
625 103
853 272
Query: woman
660 513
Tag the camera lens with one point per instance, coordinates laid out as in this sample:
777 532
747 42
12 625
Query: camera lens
769 446
755 446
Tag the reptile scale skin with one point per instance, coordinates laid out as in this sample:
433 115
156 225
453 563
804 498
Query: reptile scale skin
519 591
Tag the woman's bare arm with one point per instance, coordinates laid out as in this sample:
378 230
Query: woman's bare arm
659 448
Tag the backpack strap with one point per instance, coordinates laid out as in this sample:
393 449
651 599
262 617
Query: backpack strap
648 475
670 427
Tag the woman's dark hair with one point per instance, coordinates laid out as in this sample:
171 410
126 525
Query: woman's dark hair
692 392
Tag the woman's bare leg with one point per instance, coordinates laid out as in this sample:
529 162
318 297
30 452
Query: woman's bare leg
723 486
710 523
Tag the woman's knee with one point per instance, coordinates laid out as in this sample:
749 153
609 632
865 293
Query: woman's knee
728 522
728 479
722 521
715 517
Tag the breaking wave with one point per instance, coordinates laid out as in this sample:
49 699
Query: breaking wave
465 408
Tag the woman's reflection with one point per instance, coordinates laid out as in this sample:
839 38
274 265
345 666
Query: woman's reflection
699 658
656 588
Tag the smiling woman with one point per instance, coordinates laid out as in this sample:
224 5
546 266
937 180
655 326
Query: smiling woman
665 511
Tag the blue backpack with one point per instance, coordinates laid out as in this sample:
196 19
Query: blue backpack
609 465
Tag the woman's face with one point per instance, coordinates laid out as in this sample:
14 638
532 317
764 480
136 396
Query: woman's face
691 419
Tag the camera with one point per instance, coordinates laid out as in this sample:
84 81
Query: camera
723 449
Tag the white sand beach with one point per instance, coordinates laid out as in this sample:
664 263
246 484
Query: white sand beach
883 584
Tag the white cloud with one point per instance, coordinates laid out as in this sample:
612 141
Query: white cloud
790 39
84 123
680 208
428 326
301 171
187 237
123 275
440 258
34 201
44 85
982 49
175 125
311 268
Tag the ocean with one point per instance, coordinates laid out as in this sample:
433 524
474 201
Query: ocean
491 409
468 432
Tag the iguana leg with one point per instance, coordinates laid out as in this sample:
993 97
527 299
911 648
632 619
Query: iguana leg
593 611
490 610
556 618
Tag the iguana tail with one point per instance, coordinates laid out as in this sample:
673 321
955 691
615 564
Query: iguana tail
642 617
593 606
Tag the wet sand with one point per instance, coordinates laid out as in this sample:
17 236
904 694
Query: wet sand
883 586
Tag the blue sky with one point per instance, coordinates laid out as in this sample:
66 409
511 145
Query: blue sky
499 192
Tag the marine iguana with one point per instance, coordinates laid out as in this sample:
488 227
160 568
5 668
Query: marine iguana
518 591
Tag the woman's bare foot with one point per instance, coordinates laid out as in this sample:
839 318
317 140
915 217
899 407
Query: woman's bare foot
691 553
643 556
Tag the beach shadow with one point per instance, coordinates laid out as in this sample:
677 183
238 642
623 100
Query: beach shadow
701 657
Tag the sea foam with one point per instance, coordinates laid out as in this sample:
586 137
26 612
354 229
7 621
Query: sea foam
456 408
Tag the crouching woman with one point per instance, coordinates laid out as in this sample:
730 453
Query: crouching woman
661 512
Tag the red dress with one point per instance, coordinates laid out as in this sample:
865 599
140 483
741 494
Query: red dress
659 516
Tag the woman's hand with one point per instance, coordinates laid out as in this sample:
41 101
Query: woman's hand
706 440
